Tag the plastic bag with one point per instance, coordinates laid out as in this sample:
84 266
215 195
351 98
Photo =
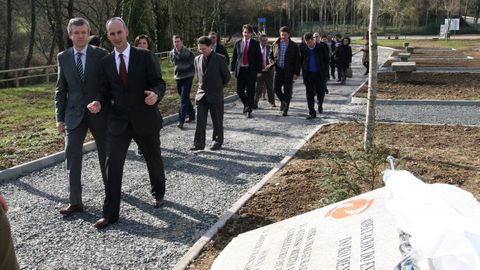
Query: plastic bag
443 221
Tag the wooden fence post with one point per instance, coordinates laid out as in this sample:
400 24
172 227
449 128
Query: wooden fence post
17 82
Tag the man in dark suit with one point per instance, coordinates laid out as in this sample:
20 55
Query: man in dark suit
213 76
78 84
314 61
265 81
134 84
247 65
286 58
218 48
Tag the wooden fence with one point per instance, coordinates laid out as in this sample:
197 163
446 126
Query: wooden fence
16 75
47 72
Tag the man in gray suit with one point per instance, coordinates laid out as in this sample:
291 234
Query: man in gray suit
78 84
212 73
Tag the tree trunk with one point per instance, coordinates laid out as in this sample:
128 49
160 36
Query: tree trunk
8 41
33 27
161 23
52 51
477 11
372 79
70 15
57 11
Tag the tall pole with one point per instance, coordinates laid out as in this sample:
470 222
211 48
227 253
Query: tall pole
372 78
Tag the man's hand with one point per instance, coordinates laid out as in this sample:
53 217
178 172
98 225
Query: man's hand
259 75
94 106
151 97
61 127
3 204
295 76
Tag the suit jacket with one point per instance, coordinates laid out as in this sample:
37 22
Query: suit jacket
220 49
267 53
71 94
213 79
128 101
254 57
343 56
292 58
321 57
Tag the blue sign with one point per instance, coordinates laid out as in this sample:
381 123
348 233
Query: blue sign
262 20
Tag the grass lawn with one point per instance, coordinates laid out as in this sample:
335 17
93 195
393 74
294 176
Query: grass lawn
27 123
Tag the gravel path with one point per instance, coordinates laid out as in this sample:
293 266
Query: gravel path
200 186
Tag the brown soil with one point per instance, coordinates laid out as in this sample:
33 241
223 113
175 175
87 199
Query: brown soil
426 48
432 53
445 154
440 63
441 86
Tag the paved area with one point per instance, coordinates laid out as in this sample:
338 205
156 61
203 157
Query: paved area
200 186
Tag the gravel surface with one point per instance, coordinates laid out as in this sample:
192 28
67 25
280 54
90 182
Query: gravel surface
200 186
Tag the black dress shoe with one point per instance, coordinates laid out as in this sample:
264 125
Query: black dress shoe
282 106
320 109
245 109
311 116
157 203
326 91
70 209
180 125
285 112
215 147
102 223
196 148
249 115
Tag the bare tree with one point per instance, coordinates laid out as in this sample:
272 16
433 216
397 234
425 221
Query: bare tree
372 79
8 42
33 26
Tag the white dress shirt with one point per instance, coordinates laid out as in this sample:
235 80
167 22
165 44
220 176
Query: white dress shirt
126 57
83 57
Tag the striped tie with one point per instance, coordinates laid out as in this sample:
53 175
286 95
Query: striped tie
80 66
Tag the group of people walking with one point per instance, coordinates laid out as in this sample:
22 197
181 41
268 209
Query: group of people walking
258 66
115 95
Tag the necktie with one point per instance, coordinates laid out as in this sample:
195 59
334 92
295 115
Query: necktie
80 66
204 64
264 59
123 70
245 53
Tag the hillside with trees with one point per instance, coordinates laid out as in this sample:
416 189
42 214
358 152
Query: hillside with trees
33 31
